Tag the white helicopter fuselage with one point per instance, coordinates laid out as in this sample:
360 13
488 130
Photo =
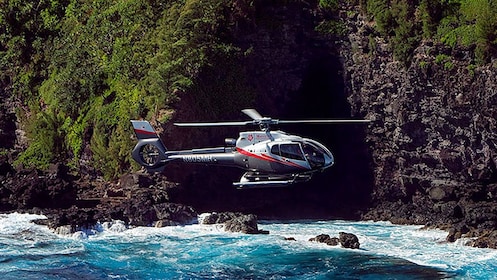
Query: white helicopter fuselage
270 158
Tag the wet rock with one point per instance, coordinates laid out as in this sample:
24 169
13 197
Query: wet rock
72 219
325 238
487 239
114 226
234 222
348 240
457 231
165 223
175 214
63 230
244 224
219 218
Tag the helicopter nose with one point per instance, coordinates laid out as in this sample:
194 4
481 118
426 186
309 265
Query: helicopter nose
329 160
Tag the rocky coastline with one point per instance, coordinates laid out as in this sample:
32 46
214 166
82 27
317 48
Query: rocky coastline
429 156
433 133
72 204
138 199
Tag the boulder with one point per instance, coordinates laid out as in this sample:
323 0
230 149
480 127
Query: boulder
244 224
348 240
487 239
219 218
174 214
325 238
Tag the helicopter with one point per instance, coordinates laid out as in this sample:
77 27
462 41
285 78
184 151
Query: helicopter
269 158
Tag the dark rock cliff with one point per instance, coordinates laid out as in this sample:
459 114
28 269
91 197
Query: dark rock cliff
433 135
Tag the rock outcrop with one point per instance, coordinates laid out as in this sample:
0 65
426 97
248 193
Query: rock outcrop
138 199
433 133
235 222
325 238
346 240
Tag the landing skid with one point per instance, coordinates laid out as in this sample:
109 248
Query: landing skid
261 180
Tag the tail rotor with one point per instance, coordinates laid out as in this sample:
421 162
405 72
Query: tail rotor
149 152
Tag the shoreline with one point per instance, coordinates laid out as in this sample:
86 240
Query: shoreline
141 199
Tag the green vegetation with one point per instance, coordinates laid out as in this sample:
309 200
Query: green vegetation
452 22
83 68
86 67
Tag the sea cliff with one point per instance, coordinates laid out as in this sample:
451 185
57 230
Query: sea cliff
428 156
433 132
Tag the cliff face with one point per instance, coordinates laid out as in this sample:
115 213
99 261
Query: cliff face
433 136
428 157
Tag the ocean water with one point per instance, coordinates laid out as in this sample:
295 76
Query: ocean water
111 251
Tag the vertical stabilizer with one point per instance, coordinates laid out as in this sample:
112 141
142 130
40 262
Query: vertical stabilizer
144 130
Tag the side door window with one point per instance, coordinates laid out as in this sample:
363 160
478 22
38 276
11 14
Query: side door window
291 151
275 150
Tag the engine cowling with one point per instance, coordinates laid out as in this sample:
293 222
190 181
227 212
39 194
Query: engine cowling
230 142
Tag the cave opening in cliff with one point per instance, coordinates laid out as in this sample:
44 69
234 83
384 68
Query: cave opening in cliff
346 187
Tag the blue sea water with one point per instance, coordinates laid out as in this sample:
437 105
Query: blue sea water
112 251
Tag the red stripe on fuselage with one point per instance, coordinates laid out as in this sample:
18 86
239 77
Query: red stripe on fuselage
269 158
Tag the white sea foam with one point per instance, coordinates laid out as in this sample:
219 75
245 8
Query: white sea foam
412 243
211 244
17 222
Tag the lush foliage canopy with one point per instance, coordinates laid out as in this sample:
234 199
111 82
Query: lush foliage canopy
467 23
87 67
84 68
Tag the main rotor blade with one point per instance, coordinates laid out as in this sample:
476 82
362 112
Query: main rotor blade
322 121
252 113
215 123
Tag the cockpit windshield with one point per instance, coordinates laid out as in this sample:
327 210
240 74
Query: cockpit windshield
317 155
314 155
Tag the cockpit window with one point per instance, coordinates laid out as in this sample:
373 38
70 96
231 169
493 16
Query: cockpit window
291 151
314 155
